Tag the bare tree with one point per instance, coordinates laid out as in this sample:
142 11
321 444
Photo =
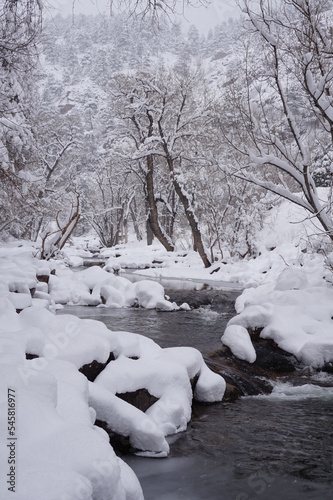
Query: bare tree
109 206
56 235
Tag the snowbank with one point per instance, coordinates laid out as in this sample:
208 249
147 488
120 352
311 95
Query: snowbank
293 313
95 286
55 450
282 242
60 453
27 281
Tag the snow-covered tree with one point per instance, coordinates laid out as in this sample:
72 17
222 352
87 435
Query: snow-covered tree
154 8
20 25
111 208
280 108
135 108
169 119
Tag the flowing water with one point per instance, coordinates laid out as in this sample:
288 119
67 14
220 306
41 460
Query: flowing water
265 448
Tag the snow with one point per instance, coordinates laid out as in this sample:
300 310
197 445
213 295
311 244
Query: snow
237 338
287 288
59 453
126 420
94 286
56 406
298 320
287 296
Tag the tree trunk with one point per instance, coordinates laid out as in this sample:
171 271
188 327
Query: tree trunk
193 222
134 220
153 214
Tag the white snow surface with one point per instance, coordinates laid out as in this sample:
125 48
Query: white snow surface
296 315
237 338
61 454
94 286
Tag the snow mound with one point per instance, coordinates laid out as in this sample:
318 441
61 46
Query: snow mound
58 453
27 282
294 313
51 385
238 340
95 286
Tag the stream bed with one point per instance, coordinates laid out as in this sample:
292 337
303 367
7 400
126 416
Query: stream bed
261 447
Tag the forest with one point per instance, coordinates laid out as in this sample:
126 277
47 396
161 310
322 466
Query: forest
166 258
129 126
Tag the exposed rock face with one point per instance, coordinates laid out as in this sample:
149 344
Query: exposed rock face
93 369
31 356
273 359
43 278
220 301
242 378
245 378
141 399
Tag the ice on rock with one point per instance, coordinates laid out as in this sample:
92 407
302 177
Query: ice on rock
238 340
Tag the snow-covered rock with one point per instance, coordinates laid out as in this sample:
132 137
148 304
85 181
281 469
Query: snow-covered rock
296 314
237 338
57 406
58 453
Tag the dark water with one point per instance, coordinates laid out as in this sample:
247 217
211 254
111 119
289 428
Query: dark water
261 448
200 328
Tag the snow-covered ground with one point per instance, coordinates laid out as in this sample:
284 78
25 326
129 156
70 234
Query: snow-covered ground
48 408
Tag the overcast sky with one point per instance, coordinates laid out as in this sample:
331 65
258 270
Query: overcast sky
203 17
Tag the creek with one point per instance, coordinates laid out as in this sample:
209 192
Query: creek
259 447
